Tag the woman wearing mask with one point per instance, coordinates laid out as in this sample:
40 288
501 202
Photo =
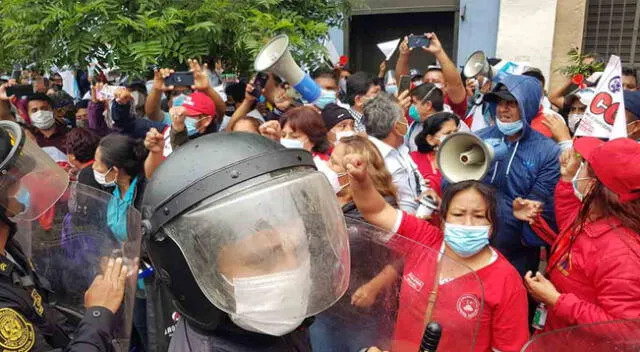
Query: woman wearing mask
469 214
81 145
434 130
363 298
119 168
300 127
592 274
339 123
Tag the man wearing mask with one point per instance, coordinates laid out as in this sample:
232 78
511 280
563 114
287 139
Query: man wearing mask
48 132
338 121
361 87
632 112
529 169
445 76
386 126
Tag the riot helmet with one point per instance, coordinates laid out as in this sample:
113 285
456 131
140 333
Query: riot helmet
237 224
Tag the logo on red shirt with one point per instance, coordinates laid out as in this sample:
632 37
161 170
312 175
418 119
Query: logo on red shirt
414 282
468 306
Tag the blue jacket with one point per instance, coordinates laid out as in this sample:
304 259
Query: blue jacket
126 123
530 169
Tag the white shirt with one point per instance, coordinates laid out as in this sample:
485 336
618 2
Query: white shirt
404 172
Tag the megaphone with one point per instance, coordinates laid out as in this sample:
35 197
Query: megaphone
464 156
477 64
276 58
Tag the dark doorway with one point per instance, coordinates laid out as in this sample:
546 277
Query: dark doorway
368 30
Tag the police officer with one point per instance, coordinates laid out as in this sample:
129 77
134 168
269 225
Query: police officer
30 183
249 239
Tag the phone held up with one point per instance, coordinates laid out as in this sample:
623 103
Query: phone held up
259 83
20 90
181 79
418 41
405 83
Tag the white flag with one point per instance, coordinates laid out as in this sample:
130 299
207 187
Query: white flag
388 48
604 117
332 51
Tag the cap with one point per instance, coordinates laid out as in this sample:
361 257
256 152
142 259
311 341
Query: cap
414 73
500 93
585 95
632 102
199 103
434 68
534 72
333 114
616 164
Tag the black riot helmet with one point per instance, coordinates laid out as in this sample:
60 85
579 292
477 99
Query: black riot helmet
30 181
231 217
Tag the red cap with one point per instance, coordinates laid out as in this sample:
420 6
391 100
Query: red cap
616 164
199 103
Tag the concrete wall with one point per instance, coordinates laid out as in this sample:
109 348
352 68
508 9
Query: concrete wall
526 32
570 16
478 28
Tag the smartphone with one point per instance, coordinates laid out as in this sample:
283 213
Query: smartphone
20 90
259 83
179 79
405 83
418 41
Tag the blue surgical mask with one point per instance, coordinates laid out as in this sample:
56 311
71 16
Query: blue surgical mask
178 100
192 125
413 113
509 128
327 97
291 143
465 240
117 211
23 197
392 89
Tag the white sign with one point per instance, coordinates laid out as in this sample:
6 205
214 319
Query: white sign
605 117
388 48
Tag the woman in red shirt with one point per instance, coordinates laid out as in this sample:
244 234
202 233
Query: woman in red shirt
593 269
434 130
468 211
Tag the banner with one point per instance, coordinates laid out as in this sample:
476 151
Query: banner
605 117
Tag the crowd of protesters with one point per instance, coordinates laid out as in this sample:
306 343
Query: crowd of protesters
552 200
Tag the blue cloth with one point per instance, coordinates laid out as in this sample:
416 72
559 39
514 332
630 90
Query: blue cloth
126 123
530 169
117 211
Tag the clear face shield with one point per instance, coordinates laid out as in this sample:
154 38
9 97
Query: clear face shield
72 245
30 181
269 254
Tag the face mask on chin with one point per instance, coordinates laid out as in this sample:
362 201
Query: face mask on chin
509 128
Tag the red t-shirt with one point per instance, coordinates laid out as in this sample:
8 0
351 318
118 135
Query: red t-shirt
423 162
459 109
500 324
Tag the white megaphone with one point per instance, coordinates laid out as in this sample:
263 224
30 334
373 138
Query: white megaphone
276 58
477 64
464 156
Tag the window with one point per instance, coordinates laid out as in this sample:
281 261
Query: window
611 28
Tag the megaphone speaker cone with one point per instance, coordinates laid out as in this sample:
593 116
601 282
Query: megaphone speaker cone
464 156
476 64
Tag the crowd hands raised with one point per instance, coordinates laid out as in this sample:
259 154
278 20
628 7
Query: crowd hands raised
571 204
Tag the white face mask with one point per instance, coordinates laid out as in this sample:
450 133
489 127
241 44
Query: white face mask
42 119
344 134
291 143
572 121
102 178
438 85
273 304
442 138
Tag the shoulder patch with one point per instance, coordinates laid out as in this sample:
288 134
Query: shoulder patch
16 334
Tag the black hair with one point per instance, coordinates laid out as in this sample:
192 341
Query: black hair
82 104
321 73
537 74
236 91
629 71
436 97
431 126
487 192
82 143
40 97
123 152
359 84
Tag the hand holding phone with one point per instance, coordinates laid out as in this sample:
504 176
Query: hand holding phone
259 83
418 41
405 83
20 90
182 79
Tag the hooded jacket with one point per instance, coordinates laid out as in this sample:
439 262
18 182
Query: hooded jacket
530 169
